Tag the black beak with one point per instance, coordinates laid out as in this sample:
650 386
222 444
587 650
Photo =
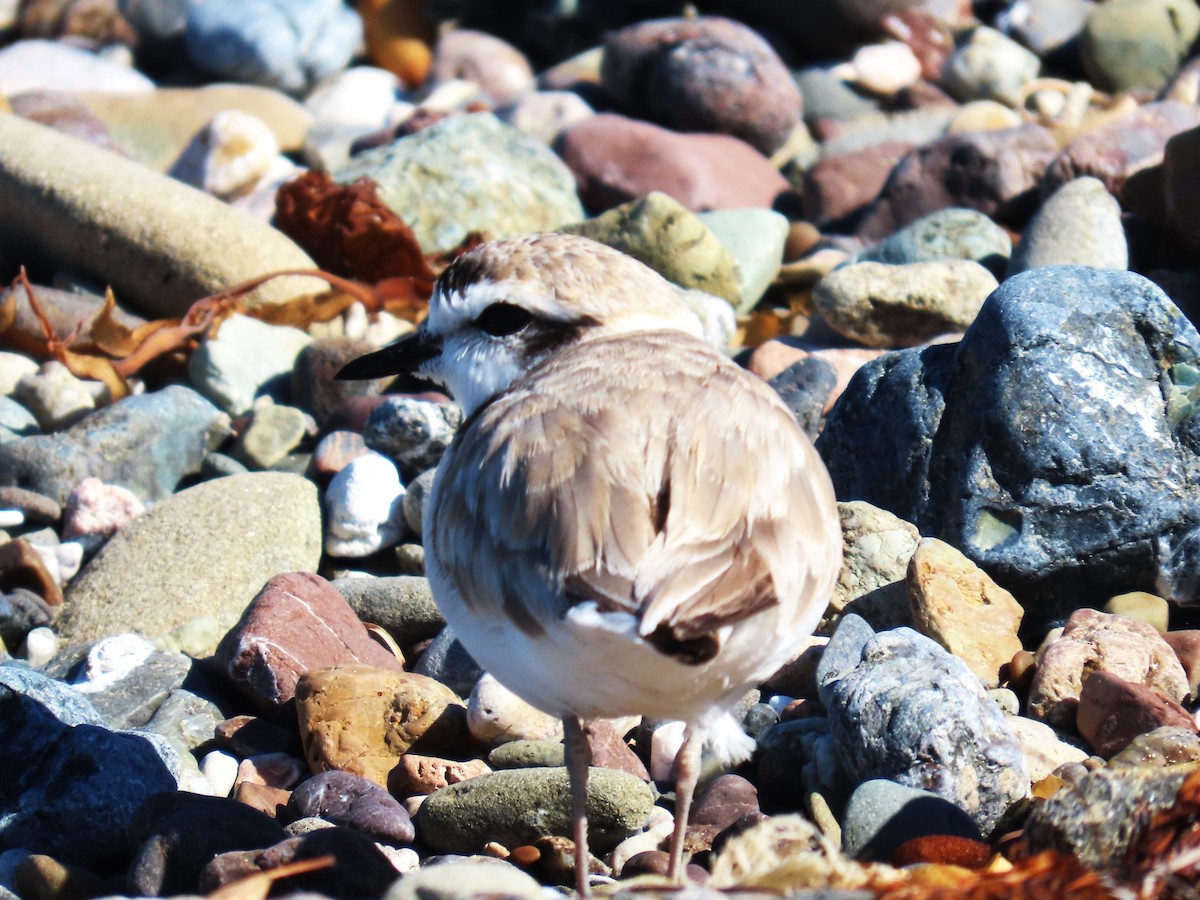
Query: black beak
403 357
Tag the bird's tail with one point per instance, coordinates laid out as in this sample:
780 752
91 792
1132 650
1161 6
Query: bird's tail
727 741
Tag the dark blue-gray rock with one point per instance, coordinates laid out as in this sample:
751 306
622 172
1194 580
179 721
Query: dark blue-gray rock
402 604
146 443
284 44
131 700
15 419
447 660
952 233
1096 818
360 868
843 653
518 806
912 713
1056 444
413 433
470 173
881 815
21 610
70 784
344 798
797 758
804 386
177 834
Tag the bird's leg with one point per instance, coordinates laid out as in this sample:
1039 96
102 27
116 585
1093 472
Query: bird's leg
687 773
579 758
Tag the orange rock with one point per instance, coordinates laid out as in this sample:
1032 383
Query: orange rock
399 37
425 774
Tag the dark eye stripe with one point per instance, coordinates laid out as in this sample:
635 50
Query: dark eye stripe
502 319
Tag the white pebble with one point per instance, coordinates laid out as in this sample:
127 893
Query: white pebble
404 860
229 156
220 770
366 507
41 645
495 715
664 747
111 659
11 518
884 69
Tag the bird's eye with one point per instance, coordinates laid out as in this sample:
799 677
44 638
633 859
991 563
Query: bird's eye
501 319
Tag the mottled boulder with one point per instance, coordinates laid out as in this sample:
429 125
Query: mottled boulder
1056 445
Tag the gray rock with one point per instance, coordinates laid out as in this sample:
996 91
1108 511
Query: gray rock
1056 445
344 798
796 759
805 387
207 550
756 239
146 443
284 44
274 432
842 654
70 784
16 419
1045 25
186 720
912 713
881 815
414 433
130 701
952 233
1079 224
402 604
447 660
472 877
246 358
470 173
414 500
877 547
518 806
989 66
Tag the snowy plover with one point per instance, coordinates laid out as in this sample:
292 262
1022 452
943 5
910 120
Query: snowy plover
627 523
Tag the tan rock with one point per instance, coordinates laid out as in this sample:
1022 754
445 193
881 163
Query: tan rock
425 774
1043 749
877 548
362 720
495 715
1143 606
959 606
1096 641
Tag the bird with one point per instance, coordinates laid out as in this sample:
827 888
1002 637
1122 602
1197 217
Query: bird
627 522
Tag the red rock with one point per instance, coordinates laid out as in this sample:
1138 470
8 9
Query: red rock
995 172
724 801
616 159
336 451
415 774
946 849
708 74
277 770
841 185
264 798
610 751
1112 712
298 622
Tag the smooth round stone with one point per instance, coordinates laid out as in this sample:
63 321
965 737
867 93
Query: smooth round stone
983 115
498 67
826 96
469 173
524 754
273 433
208 549
220 768
462 818
495 715
415 498
165 244
42 65
544 114
15 420
355 802
881 815
454 878
1043 750
412 432
13 367
40 646
402 604
989 66
1112 712
883 69
951 233
286 44
756 238
365 507
904 305
1143 606
230 157
658 231
244 359
357 101
1079 224
1128 44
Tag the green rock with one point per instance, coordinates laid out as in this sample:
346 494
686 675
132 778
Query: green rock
951 233
670 239
518 806
756 238
207 550
469 173
1130 44
527 754
401 604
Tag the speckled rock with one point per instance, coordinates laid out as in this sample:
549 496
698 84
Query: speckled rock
951 233
416 775
193 553
1079 224
517 807
402 604
877 547
900 306
469 173
959 606
883 712
705 74
1095 641
411 432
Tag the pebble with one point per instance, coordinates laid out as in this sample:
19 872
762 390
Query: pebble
1143 606
226 538
546 114
364 504
351 800
882 69
276 770
1186 645
495 715
708 74
274 432
617 159
1093 641
95 511
221 770
362 719
881 815
842 654
841 185
1045 26
989 66
951 233
959 606
402 604
1079 224
413 433
56 398
1043 749
415 498
44 65
1127 44
498 67
346 106
470 876
127 679
461 818
660 232
756 238
245 359
469 173
1113 711
806 386
880 713
422 775
882 305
